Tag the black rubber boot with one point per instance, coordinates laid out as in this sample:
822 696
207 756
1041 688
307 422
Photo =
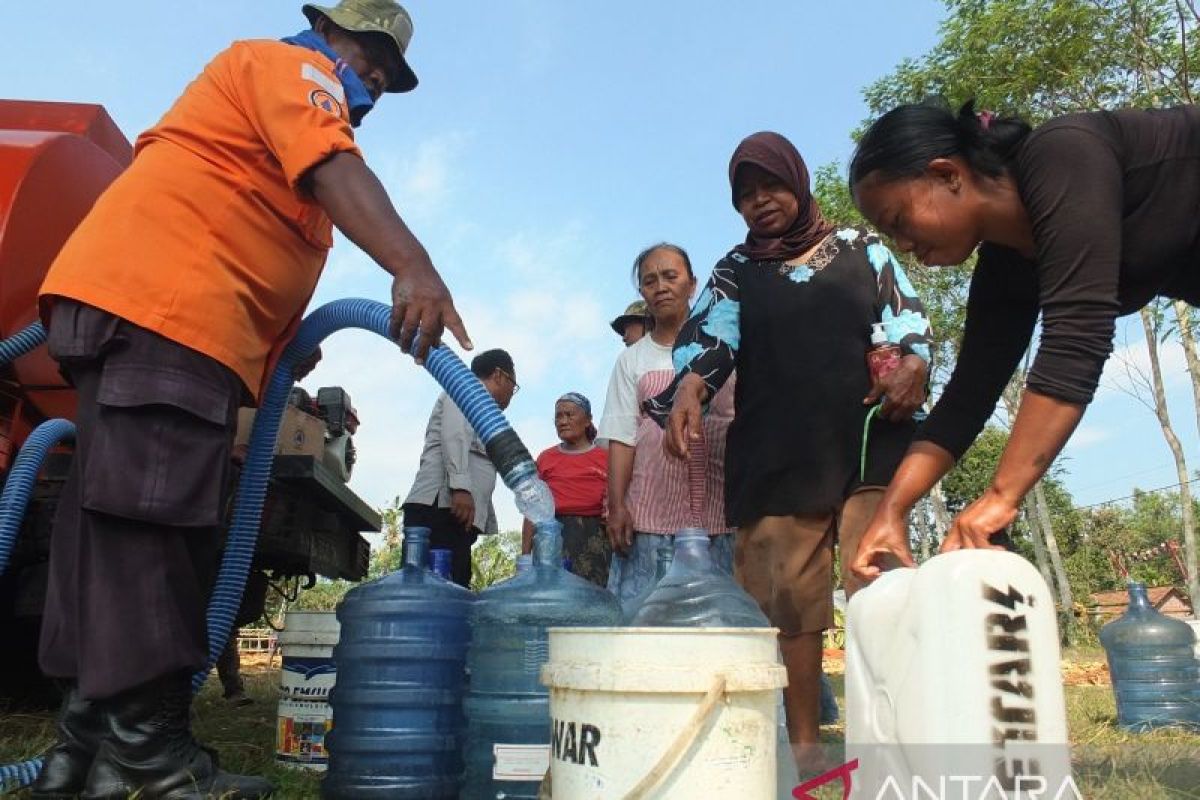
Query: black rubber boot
149 749
79 726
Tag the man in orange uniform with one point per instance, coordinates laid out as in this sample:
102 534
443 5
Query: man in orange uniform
166 309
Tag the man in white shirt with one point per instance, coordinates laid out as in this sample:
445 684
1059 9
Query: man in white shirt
452 493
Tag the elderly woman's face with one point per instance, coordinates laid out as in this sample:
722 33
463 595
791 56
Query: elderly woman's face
665 284
570 421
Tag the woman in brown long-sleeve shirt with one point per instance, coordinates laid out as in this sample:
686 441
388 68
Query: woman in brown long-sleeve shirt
1087 218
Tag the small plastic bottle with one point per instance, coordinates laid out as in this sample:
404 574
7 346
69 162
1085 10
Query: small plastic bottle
883 356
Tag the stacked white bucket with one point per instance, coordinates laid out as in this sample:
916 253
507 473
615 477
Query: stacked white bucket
663 712
953 684
305 681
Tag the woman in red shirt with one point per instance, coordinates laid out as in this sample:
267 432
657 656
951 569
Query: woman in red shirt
576 470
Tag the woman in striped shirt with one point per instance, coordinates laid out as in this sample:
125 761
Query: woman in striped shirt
648 490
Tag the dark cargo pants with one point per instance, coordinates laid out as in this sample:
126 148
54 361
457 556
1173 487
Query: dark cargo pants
134 546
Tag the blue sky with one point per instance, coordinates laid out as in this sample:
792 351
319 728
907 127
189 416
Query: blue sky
549 142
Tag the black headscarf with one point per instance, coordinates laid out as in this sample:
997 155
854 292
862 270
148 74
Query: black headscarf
778 156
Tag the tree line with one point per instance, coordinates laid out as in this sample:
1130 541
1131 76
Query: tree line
1039 59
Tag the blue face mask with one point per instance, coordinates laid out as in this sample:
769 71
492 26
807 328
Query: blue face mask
357 96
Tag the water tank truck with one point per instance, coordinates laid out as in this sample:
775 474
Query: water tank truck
55 160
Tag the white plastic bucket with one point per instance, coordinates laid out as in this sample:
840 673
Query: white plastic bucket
308 675
952 680
675 712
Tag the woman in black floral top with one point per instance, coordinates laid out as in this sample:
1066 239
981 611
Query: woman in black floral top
792 310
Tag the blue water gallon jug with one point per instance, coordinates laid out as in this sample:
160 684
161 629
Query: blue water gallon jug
695 592
398 723
663 556
1155 673
508 709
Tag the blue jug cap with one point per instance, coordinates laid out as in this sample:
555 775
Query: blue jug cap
443 561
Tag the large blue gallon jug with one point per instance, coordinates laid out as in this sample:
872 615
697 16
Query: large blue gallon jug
397 708
508 709
1155 673
696 593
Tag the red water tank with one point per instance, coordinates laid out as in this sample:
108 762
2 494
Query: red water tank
55 160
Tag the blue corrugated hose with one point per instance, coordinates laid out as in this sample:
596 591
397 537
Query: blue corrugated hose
463 387
17 490
21 479
459 382
14 776
21 342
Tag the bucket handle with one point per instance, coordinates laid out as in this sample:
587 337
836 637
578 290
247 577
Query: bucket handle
654 778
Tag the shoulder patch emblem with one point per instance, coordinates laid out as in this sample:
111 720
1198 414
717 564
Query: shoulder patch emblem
324 100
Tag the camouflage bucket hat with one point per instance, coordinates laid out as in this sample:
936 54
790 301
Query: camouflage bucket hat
373 16
634 312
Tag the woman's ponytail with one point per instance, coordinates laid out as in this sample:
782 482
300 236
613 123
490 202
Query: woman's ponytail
902 142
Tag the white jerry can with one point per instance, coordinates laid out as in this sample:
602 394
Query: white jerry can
952 682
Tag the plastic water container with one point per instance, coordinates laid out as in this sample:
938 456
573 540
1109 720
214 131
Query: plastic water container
663 557
663 713
442 563
398 721
696 593
508 712
952 674
305 682
1155 674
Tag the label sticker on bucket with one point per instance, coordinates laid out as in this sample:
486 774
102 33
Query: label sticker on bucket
520 762
300 737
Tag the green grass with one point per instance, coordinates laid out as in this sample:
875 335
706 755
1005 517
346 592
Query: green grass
244 737
1113 764
1110 764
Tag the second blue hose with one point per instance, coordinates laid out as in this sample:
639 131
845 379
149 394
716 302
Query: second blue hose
459 382
18 488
